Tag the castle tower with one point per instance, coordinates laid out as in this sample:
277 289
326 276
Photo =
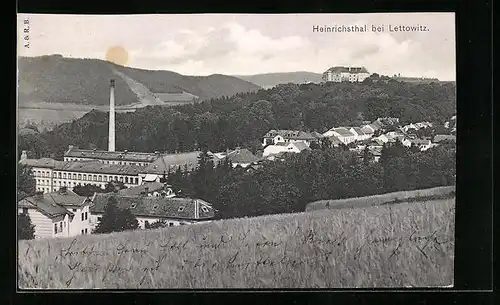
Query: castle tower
111 139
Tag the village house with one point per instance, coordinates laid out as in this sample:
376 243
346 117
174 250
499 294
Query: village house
342 133
423 145
57 214
440 138
147 210
273 137
295 147
350 74
371 128
360 134
166 163
242 157
151 189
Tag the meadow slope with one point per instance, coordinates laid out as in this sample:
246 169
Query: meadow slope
400 245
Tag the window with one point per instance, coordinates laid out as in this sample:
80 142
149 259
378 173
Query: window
82 231
136 180
60 226
181 208
59 175
94 178
99 218
55 228
121 179
64 176
126 179
64 224
204 209
86 215
170 224
99 178
84 177
105 178
116 178
85 231
74 176
25 210
83 216
79 176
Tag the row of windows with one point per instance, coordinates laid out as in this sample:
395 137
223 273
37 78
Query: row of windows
105 178
84 231
41 181
110 162
84 216
61 225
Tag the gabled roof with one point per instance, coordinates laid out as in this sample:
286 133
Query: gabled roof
444 137
242 156
43 162
171 161
111 155
53 204
359 131
290 134
161 207
300 146
344 132
338 69
137 190
98 167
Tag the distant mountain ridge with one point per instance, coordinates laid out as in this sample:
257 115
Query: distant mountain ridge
58 79
268 80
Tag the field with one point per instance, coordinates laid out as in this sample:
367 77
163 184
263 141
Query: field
394 245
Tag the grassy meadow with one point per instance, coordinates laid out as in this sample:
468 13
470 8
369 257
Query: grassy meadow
397 245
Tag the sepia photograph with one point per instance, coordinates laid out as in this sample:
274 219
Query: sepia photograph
236 151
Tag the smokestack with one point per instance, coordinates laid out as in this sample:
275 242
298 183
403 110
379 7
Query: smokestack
111 139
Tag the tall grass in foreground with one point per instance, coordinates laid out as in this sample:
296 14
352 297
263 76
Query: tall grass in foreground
400 245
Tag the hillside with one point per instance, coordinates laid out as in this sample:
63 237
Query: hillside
56 79
269 80
401 245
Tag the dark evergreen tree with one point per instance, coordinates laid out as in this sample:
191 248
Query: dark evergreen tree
115 219
25 228
26 184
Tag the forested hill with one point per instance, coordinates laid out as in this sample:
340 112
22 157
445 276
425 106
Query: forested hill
243 119
56 79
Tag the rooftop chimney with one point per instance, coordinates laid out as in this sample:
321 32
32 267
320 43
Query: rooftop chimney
111 139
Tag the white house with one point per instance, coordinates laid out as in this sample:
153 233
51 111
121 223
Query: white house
360 134
273 137
350 74
147 210
151 189
423 145
242 157
57 214
295 147
342 133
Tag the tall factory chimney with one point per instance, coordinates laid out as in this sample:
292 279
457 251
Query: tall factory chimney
111 140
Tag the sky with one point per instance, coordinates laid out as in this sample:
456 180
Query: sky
244 44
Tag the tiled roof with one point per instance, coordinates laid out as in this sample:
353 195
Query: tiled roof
53 204
242 156
137 190
111 155
99 168
444 137
181 208
347 70
344 132
300 146
359 131
420 142
334 140
170 162
43 162
291 134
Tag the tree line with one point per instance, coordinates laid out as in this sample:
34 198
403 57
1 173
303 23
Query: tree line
331 173
242 120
